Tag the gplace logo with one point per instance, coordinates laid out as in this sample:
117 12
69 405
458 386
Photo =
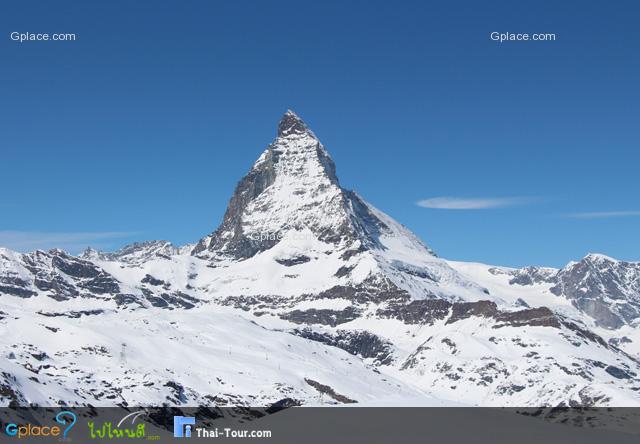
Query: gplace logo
64 418
182 426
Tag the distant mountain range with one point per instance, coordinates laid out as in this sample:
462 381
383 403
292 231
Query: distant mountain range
307 294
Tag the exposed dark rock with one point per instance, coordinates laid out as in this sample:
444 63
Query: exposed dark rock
148 279
322 316
74 267
60 289
425 311
413 270
8 386
181 299
464 310
617 342
282 404
41 356
240 245
510 389
348 254
619 373
178 391
584 333
72 314
157 301
541 316
368 227
296 260
126 299
375 290
171 301
290 123
101 284
343 271
327 390
598 364
449 343
21 292
590 399
260 302
360 343
413 358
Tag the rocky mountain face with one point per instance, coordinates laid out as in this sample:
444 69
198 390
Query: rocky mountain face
136 253
292 186
606 289
63 277
309 294
291 202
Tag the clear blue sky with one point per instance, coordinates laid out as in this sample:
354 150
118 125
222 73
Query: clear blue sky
141 128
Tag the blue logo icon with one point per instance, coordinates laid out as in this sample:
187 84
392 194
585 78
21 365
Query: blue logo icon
60 419
182 426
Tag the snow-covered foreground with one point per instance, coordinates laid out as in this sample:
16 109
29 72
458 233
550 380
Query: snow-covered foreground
205 356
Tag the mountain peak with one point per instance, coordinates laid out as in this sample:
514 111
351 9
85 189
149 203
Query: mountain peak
291 187
292 192
598 257
291 124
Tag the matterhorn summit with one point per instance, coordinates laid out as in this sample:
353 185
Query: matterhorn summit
291 206
292 187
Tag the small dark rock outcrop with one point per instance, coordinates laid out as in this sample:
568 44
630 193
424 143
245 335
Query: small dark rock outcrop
282 404
322 316
417 312
327 390
291 261
464 310
360 343
541 317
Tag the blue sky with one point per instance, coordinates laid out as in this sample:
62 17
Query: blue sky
515 153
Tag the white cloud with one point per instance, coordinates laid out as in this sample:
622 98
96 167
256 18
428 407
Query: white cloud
472 203
603 214
25 241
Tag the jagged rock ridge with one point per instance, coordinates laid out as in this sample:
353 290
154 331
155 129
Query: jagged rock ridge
606 289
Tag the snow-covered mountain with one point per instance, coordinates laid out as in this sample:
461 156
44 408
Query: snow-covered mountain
603 288
308 294
137 253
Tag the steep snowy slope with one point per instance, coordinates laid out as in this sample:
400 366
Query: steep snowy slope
206 356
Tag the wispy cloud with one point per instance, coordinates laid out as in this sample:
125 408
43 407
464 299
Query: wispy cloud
73 242
603 214
472 203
